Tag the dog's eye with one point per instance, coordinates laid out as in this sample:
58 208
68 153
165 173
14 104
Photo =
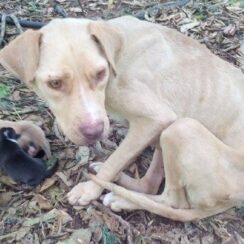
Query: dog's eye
100 75
55 84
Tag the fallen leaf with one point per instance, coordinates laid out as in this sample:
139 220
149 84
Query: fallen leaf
108 236
186 27
59 9
5 197
76 10
64 178
110 3
230 30
82 155
81 236
15 96
55 193
43 202
54 213
48 183
4 90
64 217
16 235
7 180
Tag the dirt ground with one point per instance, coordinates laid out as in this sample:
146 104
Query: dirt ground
42 215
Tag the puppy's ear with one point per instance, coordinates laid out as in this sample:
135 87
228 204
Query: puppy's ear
109 39
21 56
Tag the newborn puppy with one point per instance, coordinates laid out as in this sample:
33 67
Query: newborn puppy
33 150
32 139
18 164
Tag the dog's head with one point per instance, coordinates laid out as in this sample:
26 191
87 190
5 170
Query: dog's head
68 63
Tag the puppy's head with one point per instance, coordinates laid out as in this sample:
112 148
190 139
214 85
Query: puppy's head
68 63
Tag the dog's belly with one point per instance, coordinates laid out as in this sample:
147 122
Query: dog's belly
218 103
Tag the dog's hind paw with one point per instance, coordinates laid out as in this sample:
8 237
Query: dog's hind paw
117 203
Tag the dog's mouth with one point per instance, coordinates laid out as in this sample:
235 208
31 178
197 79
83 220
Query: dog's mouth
91 142
78 138
82 135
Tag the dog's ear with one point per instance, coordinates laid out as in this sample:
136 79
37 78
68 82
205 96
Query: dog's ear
109 39
21 56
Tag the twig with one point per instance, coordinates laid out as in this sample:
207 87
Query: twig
3 27
24 23
17 23
231 48
120 219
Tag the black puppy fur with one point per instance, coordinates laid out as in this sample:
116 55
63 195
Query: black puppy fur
18 164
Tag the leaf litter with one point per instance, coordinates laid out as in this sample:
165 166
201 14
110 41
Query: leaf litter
43 215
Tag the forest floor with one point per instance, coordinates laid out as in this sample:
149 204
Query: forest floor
42 215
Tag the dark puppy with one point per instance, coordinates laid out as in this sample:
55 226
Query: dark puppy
18 164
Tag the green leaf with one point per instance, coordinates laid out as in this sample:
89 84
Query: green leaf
108 236
4 91
234 3
44 218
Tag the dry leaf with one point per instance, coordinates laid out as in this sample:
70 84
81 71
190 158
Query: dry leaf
76 10
43 202
83 154
5 197
81 236
48 183
16 235
64 178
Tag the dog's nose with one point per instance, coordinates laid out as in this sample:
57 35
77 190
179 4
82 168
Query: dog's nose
92 131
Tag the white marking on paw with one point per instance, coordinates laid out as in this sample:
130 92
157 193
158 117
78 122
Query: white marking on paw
108 199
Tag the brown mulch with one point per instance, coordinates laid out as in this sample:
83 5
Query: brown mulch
42 215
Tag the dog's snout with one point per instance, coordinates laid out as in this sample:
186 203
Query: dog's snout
92 131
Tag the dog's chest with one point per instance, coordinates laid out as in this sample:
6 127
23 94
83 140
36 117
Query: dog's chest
118 118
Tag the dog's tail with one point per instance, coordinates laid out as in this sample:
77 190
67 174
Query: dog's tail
51 170
146 203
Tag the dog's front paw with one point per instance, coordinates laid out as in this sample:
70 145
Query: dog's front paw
84 193
117 203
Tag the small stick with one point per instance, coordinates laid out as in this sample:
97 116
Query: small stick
16 22
24 23
3 27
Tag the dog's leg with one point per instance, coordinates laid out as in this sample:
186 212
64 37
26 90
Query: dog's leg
149 183
200 176
142 132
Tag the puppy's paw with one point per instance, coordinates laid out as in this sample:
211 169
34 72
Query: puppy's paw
116 203
84 193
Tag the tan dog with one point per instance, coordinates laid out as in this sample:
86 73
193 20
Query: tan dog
151 76
30 134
